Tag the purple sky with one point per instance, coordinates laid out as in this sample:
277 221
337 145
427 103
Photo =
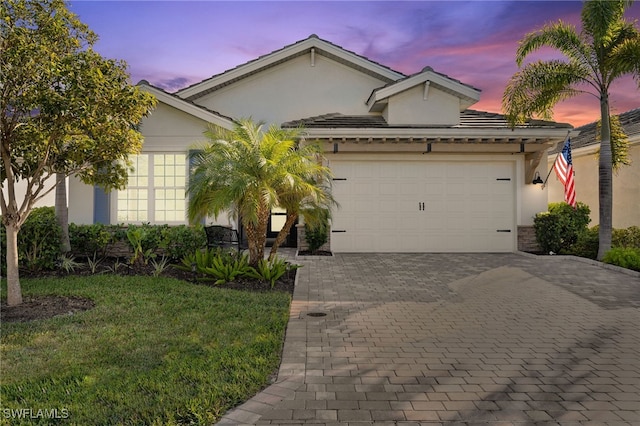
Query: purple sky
176 43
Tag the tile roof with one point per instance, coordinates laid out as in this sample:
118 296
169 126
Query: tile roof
186 101
337 120
468 119
630 121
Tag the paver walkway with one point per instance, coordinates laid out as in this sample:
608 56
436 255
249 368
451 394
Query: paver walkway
456 339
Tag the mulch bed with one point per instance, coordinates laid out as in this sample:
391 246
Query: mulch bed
44 307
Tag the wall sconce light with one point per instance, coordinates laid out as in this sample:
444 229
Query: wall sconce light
537 179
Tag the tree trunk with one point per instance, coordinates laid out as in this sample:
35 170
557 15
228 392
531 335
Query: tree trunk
282 235
252 233
605 181
14 292
62 212
257 235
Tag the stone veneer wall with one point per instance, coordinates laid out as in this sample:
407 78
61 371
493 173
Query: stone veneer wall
527 239
302 243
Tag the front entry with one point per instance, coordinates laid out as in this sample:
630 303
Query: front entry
277 219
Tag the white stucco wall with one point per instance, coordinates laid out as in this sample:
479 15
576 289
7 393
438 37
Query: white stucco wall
533 199
411 107
169 129
80 202
295 90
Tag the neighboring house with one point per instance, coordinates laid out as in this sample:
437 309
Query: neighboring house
415 169
626 183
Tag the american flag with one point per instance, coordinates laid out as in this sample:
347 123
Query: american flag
564 170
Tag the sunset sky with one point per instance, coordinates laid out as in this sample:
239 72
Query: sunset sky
173 44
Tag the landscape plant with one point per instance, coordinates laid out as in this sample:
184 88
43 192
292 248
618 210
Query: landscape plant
316 234
90 241
67 263
270 270
606 49
226 266
559 228
625 257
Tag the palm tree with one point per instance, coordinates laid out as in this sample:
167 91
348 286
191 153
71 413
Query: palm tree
247 172
607 48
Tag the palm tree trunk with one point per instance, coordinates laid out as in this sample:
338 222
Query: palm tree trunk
62 212
282 235
257 235
605 182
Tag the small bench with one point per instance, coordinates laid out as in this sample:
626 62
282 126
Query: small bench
219 236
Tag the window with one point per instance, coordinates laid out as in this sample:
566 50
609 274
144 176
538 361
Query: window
156 190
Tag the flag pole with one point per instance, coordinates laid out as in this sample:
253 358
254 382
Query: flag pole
554 161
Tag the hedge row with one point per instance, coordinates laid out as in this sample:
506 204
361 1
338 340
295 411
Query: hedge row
38 240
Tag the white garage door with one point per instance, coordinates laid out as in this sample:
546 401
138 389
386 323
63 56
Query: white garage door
423 206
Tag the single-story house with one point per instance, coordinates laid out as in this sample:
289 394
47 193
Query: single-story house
626 183
415 169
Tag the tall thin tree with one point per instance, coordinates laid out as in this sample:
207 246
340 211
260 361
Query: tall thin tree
606 49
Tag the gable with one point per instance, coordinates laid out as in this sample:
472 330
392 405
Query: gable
313 46
418 106
305 85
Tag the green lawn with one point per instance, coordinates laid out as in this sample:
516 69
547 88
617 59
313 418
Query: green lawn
152 351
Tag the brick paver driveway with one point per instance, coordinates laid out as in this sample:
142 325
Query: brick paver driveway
456 339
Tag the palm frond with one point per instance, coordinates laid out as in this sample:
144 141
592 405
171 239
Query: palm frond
625 56
560 36
538 87
601 19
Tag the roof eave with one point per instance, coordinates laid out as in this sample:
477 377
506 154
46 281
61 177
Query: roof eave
440 133
468 95
187 107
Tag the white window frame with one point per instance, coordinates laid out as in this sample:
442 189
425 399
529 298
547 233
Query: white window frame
151 193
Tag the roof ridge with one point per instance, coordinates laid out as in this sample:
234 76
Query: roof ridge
287 46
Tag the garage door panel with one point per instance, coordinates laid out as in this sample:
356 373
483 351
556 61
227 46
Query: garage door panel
424 206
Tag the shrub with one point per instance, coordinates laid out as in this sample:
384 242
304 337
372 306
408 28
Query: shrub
558 229
587 244
39 240
625 257
629 237
89 240
317 235
183 240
